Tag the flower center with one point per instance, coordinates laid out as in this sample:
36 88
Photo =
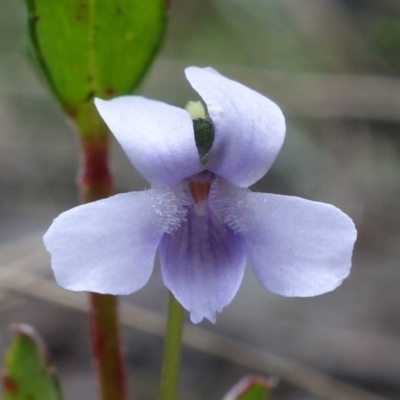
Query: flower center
200 185
199 190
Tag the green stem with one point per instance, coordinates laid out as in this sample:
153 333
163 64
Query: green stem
172 351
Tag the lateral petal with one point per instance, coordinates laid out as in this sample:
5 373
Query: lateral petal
296 247
109 246
157 138
249 127
202 263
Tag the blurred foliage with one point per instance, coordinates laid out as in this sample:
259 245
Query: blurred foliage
29 374
326 35
385 39
252 387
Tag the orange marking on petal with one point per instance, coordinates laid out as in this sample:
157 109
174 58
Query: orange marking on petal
199 190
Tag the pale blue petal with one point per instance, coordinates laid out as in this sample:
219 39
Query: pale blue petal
249 128
157 138
296 247
202 263
109 246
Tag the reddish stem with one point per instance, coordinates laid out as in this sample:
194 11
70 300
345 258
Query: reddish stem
107 347
95 182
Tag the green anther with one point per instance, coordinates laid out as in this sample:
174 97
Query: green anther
204 136
203 129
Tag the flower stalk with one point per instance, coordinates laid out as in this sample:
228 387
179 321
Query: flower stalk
172 351
107 346
95 182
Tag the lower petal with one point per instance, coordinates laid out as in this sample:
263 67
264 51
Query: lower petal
202 263
296 247
109 246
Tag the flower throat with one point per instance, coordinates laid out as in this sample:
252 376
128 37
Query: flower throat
200 186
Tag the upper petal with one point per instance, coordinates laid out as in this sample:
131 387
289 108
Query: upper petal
157 138
202 263
249 128
296 247
109 246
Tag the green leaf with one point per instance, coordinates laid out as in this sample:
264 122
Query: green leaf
28 373
252 388
88 48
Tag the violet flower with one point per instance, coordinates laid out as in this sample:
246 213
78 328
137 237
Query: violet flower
199 214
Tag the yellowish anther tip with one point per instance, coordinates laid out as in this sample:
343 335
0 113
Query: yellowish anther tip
195 109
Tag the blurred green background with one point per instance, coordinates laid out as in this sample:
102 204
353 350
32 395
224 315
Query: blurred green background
334 68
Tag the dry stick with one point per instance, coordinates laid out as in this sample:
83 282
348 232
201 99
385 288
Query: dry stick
194 337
